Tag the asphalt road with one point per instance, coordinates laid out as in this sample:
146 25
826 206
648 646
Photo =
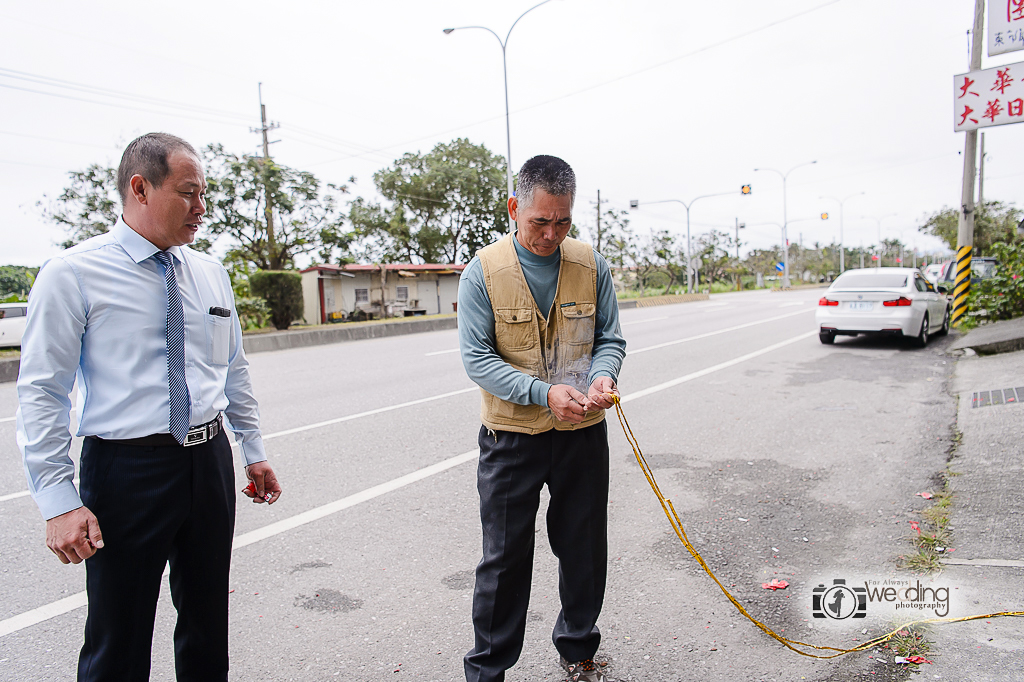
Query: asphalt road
785 459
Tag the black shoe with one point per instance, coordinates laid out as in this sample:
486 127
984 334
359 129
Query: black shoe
583 671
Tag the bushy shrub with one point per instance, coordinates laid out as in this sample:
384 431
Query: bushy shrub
253 312
282 290
1002 295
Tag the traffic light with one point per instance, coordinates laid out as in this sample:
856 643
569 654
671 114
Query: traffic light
824 216
745 189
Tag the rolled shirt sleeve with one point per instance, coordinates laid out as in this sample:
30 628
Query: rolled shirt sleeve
51 350
242 410
609 344
478 345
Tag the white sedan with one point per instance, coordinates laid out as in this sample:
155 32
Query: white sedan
894 301
12 323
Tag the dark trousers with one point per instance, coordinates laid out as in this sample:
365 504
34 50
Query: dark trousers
154 505
513 468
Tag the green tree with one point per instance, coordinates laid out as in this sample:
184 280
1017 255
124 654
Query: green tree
993 222
87 207
305 212
16 281
443 206
282 290
713 250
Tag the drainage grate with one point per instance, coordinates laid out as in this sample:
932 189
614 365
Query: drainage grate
1005 396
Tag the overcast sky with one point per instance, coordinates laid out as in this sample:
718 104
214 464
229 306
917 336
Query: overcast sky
647 99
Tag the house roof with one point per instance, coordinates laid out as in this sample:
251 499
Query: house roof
440 268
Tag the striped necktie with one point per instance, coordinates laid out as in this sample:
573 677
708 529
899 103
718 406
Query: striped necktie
176 387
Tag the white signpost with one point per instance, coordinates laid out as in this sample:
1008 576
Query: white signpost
1005 26
992 97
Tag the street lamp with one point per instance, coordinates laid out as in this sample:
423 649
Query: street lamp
635 203
785 232
504 68
842 249
878 224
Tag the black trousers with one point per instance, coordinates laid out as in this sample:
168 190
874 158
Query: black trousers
513 468
154 505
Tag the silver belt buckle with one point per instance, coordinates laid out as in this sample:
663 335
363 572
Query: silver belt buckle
195 436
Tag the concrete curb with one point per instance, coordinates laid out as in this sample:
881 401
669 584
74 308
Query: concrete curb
1005 336
9 369
300 338
661 300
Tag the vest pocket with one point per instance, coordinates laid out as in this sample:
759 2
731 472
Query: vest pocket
513 328
578 323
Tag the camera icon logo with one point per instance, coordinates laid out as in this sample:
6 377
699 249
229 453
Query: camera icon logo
839 601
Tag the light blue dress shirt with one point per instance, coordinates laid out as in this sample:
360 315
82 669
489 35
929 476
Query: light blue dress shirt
98 311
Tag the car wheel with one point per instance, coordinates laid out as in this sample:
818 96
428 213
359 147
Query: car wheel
945 322
922 337
827 338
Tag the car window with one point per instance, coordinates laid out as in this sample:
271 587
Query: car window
919 283
12 312
864 280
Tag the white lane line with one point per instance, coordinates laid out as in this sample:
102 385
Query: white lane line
714 368
359 415
650 319
62 606
441 352
7 419
317 425
714 333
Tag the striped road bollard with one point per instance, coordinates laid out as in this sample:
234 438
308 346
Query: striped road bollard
962 283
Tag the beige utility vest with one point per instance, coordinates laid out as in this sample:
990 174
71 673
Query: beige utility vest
557 350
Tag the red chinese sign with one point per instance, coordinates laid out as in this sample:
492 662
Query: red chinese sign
992 97
1005 26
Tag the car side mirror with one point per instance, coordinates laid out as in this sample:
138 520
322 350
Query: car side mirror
942 288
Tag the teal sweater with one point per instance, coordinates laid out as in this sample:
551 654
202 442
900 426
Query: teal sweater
476 328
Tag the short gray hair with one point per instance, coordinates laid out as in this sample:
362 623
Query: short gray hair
548 173
147 156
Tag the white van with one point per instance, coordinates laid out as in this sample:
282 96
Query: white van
12 323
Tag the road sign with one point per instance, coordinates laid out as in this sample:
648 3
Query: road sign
745 189
1005 26
824 216
779 267
990 97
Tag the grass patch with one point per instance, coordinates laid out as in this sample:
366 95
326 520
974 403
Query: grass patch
924 560
910 641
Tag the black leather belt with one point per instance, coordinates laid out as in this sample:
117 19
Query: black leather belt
196 435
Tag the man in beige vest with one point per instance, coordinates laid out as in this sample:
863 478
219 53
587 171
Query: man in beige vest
539 333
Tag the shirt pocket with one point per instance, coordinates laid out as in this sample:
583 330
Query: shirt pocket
218 339
513 328
578 322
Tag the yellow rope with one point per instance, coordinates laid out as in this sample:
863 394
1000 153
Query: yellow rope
677 526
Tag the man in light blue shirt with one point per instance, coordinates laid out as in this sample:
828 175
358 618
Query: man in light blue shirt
149 329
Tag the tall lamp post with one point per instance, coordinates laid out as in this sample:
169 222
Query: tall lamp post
785 232
842 249
504 68
635 203
878 224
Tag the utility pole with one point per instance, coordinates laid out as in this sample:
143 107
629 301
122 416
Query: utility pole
981 174
598 245
269 211
739 277
965 229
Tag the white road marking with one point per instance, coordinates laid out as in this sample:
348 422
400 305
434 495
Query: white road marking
791 303
441 352
75 601
714 333
650 319
7 419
